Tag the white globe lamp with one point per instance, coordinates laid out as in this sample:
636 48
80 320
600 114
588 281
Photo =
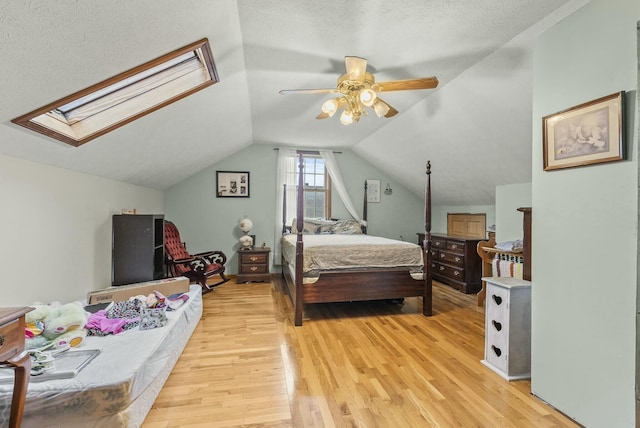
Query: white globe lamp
246 241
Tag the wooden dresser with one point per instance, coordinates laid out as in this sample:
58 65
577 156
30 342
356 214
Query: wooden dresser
455 262
253 265
13 354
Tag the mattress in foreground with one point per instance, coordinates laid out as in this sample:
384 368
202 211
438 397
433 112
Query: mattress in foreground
336 252
118 387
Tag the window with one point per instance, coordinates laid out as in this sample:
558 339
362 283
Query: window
103 107
317 186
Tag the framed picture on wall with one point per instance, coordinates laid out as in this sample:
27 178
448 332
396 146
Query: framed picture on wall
232 184
373 190
586 134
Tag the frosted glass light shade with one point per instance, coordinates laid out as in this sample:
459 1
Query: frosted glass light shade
380 108
330 106
246 241
367 96
245 225
346 118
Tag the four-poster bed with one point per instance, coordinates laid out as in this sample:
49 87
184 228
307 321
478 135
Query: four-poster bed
375 280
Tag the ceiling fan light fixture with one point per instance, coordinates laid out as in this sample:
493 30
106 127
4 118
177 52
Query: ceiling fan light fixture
346 118
330 106
367 96
380 108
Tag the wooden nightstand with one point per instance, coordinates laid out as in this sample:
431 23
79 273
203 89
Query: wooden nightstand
12 353
253 265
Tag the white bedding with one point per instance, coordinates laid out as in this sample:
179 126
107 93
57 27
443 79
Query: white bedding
118 387
352 252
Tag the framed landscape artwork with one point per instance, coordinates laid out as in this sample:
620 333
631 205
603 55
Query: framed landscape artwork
232 184
586 134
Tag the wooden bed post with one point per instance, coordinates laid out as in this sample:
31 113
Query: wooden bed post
284 208
299 291
427 300
364 208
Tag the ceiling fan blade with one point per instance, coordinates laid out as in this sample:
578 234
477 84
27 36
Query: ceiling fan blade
392 112
307 91
404 85
356 67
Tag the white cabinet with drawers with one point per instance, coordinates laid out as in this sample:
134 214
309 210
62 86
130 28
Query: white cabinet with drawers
507 346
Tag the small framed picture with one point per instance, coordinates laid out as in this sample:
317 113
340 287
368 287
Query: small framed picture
373 190
586 134
232 184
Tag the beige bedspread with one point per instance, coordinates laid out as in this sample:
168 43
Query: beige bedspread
336 251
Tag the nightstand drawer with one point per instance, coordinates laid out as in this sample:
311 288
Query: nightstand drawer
11 339
250 268
254 258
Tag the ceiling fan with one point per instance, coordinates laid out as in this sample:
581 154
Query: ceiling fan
358 90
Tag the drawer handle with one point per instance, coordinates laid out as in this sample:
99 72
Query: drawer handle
457 259
442 255
441 267
438 244
2 340
497 325
497 299
454 246
496 350
253 258
253 268
456 273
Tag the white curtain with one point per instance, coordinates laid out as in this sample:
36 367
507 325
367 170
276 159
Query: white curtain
285 174
336 179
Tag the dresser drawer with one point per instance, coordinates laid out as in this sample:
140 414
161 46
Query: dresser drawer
11 339
438 242
449 271
251 268
456 246
451 258
254 258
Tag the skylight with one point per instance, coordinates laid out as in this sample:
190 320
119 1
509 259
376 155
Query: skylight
103 107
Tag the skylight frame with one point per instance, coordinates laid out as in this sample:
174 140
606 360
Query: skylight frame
49 120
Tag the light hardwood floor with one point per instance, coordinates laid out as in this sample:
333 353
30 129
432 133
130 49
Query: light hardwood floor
361 364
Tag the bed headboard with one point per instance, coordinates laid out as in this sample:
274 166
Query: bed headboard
300 208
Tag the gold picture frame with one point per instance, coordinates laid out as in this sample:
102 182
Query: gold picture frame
589 133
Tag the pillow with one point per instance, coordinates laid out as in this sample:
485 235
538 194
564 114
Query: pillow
346 227
321 226
313 226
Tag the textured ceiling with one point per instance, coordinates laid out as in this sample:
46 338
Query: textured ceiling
475 127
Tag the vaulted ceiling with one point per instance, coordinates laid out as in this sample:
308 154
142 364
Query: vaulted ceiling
475 127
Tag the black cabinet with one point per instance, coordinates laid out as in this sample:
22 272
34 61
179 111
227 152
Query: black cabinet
137 249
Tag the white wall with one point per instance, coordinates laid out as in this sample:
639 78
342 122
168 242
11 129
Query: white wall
56 243
585 223
439 215
508 219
